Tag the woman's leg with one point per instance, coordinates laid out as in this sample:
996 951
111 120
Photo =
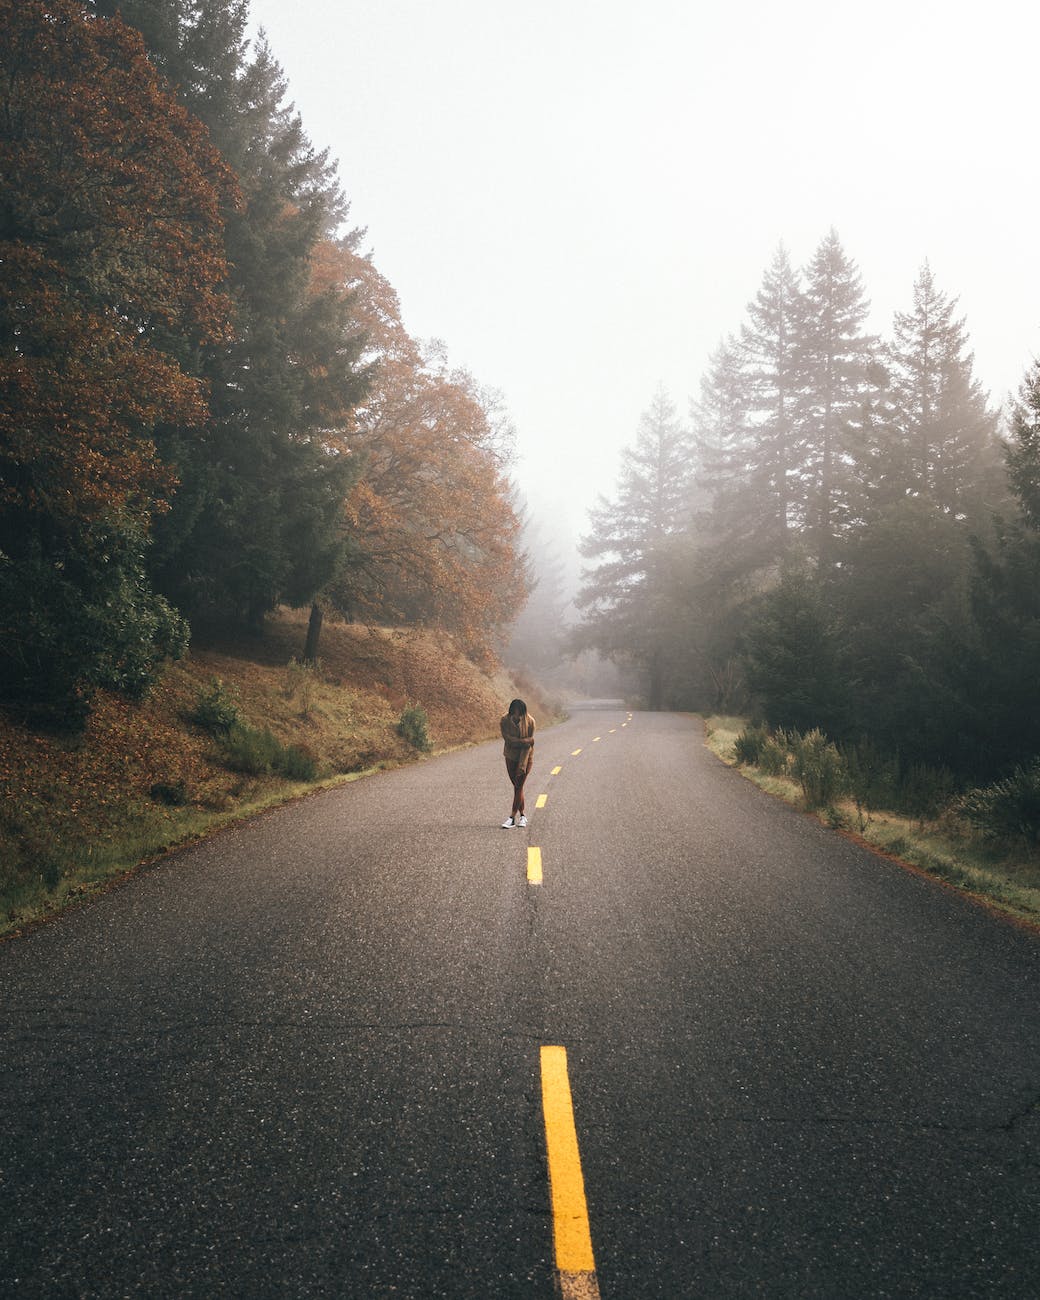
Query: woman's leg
513 772
518 790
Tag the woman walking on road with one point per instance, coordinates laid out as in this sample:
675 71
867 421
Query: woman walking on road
517 728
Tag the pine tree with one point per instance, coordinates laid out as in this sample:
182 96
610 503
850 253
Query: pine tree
257 518
1023 449
749 449
1000 681
794 659
901 583
632 542
770 343
834 361
721 441
947 431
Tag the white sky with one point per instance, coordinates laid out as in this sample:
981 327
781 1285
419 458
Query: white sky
580 196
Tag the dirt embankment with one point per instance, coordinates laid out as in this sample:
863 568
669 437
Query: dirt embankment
74 813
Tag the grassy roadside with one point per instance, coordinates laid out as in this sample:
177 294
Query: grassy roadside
78 814
944 848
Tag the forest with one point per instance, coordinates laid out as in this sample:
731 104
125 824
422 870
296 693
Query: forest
210 406
843 537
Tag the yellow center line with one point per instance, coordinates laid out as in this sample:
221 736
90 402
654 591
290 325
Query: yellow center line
534 866
571 1236
575 753
540 801
612 730
595 738
556 771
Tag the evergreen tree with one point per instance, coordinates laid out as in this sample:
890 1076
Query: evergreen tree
748 438
770 346
793 658
632 541
257 518
1000 685
721 441
899 589
834 361
947 431
1023 449
112 253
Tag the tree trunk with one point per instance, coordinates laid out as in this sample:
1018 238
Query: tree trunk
310 650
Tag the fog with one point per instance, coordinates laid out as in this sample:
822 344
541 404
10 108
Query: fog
580 198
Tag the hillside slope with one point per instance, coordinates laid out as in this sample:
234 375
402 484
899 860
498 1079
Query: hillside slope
74 814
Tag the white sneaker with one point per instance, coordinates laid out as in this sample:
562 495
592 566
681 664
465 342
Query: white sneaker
508 824
521 820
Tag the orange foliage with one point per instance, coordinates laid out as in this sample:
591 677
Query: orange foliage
432 518
112 249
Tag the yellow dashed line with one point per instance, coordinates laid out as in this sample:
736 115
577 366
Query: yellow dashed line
540 801
534 866
595 738
575 753
571 1236
556 771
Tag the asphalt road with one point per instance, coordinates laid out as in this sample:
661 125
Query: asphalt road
302 1058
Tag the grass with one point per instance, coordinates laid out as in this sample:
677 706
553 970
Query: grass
944 847
76 814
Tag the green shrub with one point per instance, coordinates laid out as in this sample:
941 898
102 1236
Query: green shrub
252 750
301 682
79 613
774 756
297 764
819 768
749 744
258 752
1008 809
414 727
216 708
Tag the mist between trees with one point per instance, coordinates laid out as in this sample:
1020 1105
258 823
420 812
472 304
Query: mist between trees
209 404
844 536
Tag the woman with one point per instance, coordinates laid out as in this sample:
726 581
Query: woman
517 728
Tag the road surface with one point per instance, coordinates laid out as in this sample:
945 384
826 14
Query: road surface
306 1057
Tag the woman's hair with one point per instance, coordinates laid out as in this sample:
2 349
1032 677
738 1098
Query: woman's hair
517 704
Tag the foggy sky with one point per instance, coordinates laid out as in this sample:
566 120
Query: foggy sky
580 196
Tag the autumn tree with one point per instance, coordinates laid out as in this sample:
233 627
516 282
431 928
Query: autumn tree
112 249
431 525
